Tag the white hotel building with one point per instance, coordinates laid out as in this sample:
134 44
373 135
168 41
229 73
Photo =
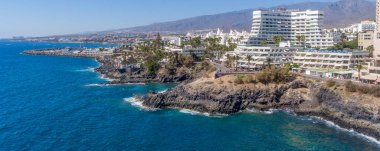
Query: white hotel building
290 24
376 43
330 63
261 55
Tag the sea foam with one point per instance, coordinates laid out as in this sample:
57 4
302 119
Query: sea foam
105 78
94 85
138 103
333 125
270 111
192 112
87 70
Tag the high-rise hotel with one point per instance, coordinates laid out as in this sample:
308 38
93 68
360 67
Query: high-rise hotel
376 53
290 24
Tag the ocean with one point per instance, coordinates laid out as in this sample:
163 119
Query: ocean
58 103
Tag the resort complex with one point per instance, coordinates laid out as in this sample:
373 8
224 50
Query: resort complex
278 37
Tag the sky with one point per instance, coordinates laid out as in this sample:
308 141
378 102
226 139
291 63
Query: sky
54 17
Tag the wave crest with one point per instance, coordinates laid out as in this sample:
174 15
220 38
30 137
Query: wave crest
87 70
138 103
332 124
192 112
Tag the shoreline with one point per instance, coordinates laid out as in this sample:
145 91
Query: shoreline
324 116
99 58
301 97
139 104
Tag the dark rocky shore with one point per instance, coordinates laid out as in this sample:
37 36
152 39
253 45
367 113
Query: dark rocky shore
53 53
302 96
110 69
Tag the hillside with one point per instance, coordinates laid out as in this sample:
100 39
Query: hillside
338 14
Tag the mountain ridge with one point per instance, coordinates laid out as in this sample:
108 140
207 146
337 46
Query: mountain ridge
337 14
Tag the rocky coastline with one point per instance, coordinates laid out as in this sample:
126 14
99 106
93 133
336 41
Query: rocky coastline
110 69
54 53
302 97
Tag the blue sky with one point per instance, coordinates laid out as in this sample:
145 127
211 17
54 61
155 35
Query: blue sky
51 17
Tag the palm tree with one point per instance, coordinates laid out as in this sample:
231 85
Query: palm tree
249 58
298 37
277 39
269 61
359 67
370 49
301 38
263 43
229 60
236 58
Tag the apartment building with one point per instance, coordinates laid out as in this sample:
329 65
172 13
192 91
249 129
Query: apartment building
334 59
365 39
186 50
330 63
261 56
367 25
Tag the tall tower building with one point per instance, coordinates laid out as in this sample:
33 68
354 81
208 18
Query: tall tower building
376 43
289 24
378 15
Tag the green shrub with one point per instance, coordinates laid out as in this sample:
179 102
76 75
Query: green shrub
363 89
350 87
375 91
248 79
272 74
152 66
239 80
330 83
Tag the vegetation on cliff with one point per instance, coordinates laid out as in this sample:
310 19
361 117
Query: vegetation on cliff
363 89
305 96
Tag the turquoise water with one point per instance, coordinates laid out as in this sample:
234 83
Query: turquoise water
51 103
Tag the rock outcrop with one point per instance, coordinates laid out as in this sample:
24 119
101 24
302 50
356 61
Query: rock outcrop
111 70
302 96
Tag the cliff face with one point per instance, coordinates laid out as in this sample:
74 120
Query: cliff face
111 70
301 96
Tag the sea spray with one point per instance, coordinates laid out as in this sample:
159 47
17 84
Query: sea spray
87 70
116 84
105 78
192 112
351 131
269 111
138 103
